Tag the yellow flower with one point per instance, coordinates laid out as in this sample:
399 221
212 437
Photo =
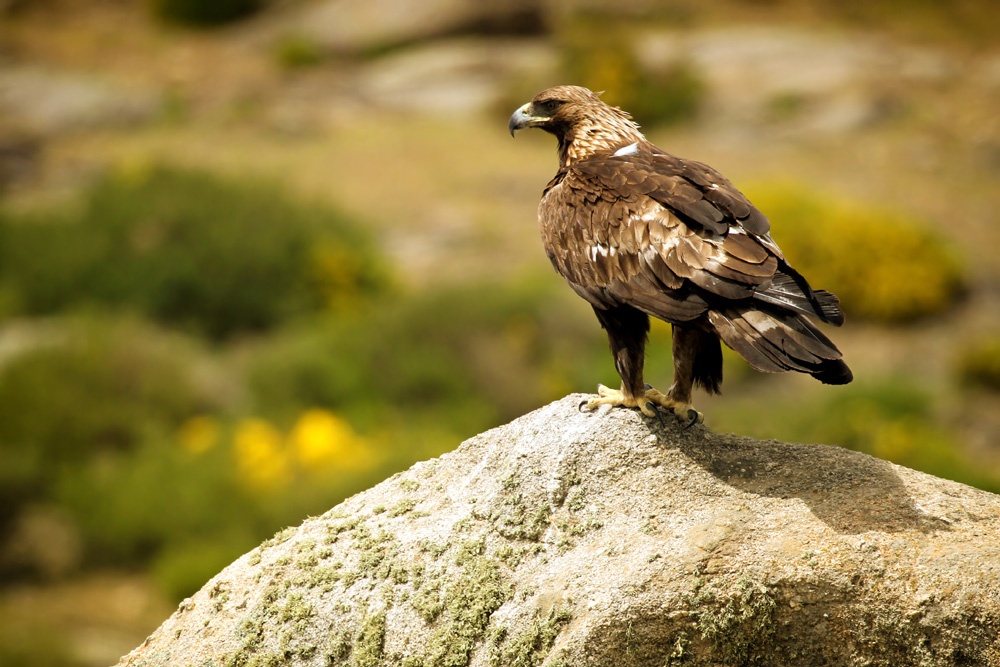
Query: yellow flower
321 439
198 434
261 459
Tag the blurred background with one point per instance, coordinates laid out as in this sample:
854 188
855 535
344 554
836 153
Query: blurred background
257 255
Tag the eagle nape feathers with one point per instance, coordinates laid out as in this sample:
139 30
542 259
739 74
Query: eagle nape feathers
638 232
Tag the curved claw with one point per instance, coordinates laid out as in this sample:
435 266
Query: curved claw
582 404
659 414
692 416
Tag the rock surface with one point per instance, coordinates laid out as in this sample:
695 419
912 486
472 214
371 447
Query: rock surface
566 538
353 26
757 76
454 76
49 102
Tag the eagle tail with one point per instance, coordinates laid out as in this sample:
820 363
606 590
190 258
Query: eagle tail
773 341
788 289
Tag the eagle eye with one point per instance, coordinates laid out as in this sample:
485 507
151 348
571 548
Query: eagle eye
549 106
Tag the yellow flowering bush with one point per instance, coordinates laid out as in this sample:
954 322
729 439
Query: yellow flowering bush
320 439
269 459
883 265
262 461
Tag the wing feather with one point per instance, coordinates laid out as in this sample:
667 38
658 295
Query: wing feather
691 255
743 247
675 264
740 271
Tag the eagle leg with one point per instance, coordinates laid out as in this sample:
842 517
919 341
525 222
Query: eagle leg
697 360
627 328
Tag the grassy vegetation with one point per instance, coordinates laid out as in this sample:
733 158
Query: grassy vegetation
978 362
187 249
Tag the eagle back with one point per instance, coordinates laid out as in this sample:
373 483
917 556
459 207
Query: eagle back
641 226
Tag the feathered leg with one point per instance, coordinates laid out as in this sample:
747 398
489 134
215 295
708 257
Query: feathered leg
697 359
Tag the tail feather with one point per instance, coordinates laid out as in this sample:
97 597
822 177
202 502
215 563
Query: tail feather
772 341
790 290
829 307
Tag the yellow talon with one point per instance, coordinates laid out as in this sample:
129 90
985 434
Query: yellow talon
646 403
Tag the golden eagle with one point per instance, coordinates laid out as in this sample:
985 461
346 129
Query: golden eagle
639 232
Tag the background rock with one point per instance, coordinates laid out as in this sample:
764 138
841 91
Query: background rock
567 538
49 102
455 76
807 81
361 26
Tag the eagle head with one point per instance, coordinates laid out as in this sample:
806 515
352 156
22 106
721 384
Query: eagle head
582 123
553 108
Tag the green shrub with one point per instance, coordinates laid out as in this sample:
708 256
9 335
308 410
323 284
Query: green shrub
598 53
188 249
204 13
673 95
130 433
295 51
32 643
978 363
466 357
884 266
86 395
131 505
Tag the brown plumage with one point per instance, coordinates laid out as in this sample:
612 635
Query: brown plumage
639 232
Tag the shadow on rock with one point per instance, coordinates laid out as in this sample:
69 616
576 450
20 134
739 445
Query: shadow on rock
849 491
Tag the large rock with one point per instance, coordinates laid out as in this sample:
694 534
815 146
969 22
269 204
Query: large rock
47 102
802 80
566 538
363 26
455 76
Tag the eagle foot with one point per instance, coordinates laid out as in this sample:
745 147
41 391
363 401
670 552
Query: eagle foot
647 404
694 417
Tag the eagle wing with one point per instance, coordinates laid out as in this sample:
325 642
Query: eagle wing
668 236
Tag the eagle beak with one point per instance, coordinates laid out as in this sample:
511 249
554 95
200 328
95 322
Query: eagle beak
520 119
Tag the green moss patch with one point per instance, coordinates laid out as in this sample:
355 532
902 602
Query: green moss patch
531 646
